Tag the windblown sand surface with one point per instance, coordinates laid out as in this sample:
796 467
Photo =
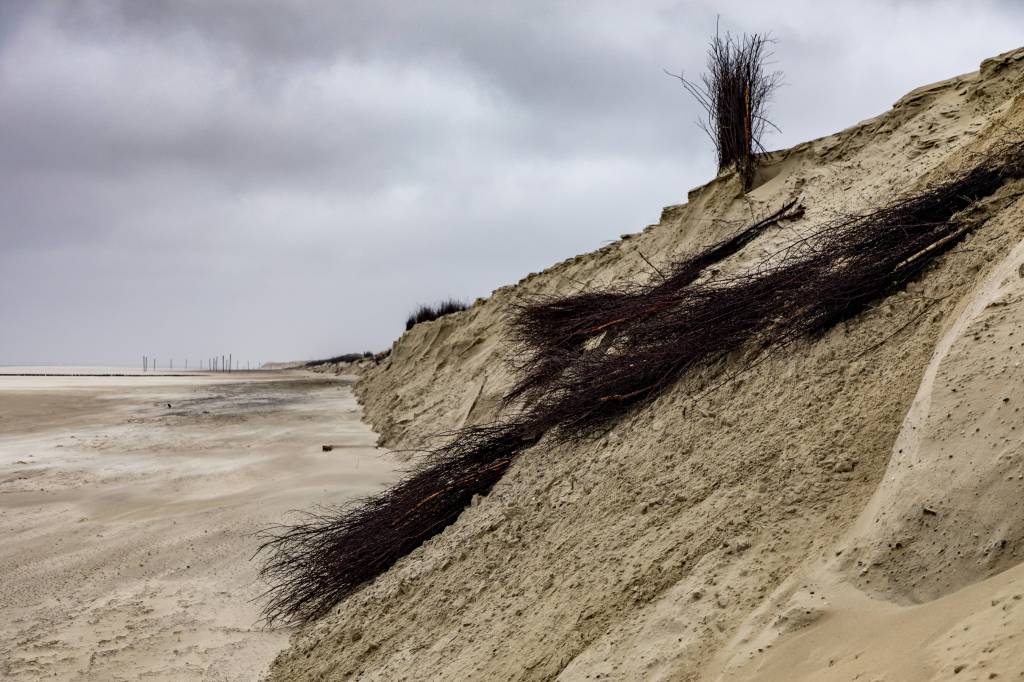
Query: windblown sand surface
128 524
851 511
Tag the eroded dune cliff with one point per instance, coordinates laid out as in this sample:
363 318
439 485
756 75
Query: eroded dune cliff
852 508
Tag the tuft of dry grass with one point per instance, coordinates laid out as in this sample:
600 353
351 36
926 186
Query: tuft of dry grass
429 313
346 357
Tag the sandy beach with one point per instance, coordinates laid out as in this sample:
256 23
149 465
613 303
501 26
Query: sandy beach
668 341
129 506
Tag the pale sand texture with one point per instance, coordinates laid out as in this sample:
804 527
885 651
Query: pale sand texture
128 526
775 529
907 594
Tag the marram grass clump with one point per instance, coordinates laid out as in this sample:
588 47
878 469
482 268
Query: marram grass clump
429 313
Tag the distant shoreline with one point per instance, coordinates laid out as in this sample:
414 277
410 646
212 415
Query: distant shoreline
48 374
86 371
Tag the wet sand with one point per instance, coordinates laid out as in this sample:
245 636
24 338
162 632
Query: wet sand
128 507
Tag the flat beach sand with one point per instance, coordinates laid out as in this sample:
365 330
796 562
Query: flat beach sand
128 507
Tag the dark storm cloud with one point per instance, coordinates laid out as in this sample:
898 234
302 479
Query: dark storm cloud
286 179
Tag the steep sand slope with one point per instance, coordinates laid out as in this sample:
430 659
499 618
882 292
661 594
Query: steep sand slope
946 518
705 539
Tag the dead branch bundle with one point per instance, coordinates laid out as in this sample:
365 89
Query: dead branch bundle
553 332
591 357
734 94
804 289
317 562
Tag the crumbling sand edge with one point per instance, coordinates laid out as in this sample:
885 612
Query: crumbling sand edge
642 555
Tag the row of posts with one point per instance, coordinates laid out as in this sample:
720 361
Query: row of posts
223 363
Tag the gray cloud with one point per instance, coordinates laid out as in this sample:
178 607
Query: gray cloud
287 179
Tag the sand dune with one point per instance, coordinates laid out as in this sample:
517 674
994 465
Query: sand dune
851 511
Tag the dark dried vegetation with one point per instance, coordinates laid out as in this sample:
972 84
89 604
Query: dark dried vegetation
734 94
429 313
347 357
589 358
316 563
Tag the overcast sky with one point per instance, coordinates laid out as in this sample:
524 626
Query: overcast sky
285 180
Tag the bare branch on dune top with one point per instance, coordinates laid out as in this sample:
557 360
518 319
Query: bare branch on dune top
734 94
